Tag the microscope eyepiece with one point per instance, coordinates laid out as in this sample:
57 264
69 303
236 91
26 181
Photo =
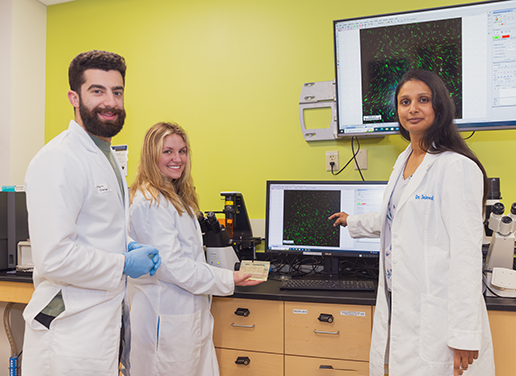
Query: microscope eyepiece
506 220
498 208
513 208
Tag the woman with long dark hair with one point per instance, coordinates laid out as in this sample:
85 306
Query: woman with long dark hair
430 316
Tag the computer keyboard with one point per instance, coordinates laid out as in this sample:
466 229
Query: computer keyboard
324 284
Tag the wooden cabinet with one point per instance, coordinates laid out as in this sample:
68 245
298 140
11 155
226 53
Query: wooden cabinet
248 324
287 338
233 363
16 292
248 336
328 330
503 331
298 365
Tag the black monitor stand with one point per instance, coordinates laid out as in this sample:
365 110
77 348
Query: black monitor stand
331 267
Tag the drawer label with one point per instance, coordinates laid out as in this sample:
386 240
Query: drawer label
352 313
301 311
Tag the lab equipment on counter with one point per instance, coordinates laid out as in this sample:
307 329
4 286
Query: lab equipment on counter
238 226
500 256
493 198
219 248
14 227
24 261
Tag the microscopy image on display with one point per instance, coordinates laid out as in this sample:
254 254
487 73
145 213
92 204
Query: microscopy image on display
306 218
388 52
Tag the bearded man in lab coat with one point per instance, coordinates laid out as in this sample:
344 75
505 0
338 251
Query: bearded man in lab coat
77 202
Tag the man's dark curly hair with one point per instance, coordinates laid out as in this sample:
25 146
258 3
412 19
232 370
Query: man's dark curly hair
102 60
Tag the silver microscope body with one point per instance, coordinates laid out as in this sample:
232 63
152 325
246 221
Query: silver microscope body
499 265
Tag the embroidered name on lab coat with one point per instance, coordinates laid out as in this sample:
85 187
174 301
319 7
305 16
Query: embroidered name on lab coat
424 197
103 188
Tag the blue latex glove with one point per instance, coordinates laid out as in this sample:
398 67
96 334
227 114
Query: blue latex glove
141 259
156 259
157 262
133 245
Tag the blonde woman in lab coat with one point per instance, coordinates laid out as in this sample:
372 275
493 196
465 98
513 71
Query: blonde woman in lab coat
430 317
172 327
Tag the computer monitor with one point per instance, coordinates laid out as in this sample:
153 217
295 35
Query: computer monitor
296 219
470 46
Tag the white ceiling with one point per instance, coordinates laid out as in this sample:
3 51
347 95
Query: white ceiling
52 2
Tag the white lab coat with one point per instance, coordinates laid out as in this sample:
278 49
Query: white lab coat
172 327
78 231
437 301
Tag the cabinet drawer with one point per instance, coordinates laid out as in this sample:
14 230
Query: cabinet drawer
259 363
260 330
347 336
298 365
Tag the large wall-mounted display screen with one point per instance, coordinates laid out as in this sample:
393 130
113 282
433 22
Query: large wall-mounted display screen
472 47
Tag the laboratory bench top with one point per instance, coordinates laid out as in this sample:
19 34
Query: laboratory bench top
12 276
269 290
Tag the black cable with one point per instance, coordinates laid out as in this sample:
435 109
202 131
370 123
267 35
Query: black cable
355 156
471 135
350 160
299 266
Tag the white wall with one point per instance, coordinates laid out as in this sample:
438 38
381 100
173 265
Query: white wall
22 79
5 93
22 111
27 85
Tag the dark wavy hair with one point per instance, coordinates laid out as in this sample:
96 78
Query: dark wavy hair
443 135
102 60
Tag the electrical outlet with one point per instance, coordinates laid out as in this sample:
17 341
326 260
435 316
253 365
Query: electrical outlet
361 158
332 156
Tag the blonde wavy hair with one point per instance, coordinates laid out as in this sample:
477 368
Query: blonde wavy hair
151 181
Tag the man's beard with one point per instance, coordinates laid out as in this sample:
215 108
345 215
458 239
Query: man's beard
98 127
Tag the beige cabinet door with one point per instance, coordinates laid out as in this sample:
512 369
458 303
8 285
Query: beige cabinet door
503 331
248 324
298 365
232 363
347 335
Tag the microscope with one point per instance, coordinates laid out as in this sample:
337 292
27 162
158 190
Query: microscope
230 239
493 198
499 265
219 250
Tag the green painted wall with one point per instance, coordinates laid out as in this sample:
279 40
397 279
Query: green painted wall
230 72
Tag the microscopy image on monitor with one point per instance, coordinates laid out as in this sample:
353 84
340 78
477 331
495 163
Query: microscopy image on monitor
388 52
306 218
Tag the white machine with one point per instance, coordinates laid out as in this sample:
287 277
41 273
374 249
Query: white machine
219 248
222 257
499 265
24 262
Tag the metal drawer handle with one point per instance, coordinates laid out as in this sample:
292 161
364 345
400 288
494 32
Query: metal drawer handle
320 332
242 326
322 366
